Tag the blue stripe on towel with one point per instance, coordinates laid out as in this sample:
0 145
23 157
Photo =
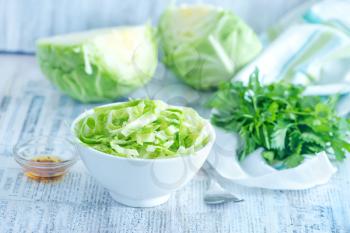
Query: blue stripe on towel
329 46
310 17
308 42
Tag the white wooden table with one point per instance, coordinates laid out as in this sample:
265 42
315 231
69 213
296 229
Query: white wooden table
30 105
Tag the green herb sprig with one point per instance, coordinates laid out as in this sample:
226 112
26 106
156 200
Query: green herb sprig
280 119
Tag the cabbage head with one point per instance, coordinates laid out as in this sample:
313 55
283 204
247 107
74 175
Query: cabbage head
204 45
99 65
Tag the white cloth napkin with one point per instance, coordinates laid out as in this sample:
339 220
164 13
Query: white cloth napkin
255 172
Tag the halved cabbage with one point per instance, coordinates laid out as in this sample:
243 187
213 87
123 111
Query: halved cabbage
204 45
101 64
144 129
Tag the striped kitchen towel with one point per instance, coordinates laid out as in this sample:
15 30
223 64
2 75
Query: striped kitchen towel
311 47
329 12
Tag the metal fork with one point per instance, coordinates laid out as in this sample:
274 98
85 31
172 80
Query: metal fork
215 194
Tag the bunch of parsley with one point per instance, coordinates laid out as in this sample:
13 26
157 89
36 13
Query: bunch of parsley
280 119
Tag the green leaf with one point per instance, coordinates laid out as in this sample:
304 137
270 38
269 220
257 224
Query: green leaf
254 83
266 137
338 150
269 155
293 160
312 138
339 147
272 111
278 138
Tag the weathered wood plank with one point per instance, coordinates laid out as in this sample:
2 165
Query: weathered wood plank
68 207
24 21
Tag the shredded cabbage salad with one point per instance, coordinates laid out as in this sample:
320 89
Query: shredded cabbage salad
144 129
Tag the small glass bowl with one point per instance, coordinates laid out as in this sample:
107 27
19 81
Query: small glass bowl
45 157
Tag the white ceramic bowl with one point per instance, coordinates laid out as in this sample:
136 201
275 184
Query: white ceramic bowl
141 182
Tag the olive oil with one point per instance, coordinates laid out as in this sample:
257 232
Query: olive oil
47 169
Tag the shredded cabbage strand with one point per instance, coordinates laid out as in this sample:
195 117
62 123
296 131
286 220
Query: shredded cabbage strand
144 129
